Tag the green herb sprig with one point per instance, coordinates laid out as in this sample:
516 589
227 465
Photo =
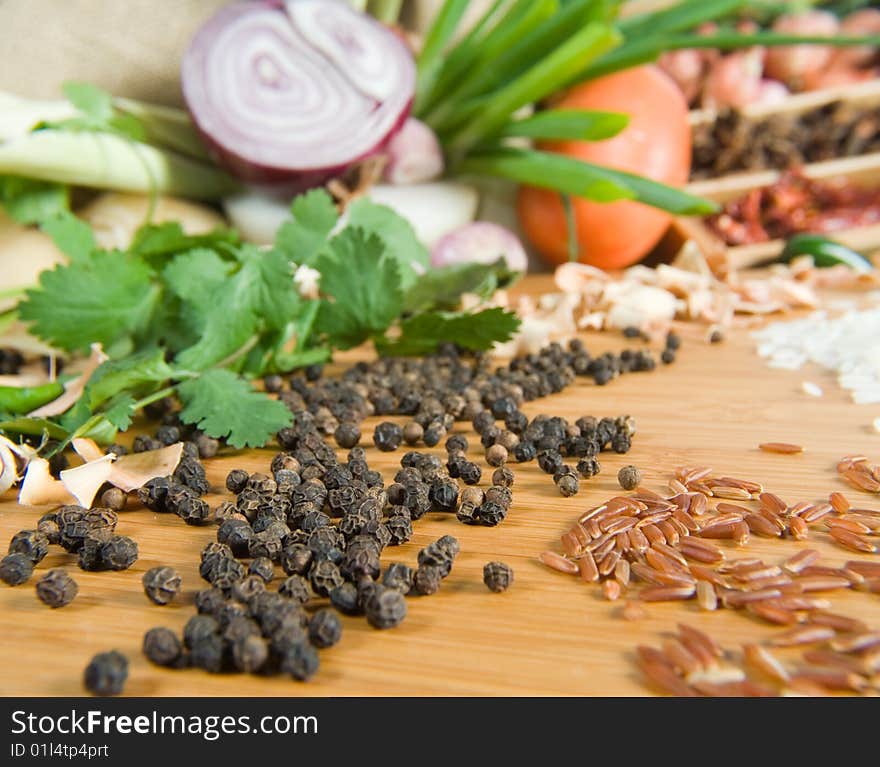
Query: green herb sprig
198 316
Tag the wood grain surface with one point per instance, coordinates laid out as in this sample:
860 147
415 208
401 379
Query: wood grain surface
549 634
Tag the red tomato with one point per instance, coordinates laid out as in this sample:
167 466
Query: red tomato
655 144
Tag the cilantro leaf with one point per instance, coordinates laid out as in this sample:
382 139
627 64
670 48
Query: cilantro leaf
103 298
314 216
275 297
224 405
192 275
228 324
121 412
397 234
132 373
89 99
423 333
363 283
73 236
260 296
442 287
29 201
168 238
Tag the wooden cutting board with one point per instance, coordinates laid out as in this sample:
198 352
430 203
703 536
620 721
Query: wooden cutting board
549 634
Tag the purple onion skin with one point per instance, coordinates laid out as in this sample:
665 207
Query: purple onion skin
283 182
269 177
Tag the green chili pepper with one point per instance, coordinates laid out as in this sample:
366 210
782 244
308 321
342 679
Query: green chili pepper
22 399
825 252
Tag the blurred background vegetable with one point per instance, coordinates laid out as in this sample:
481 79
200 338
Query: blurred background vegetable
656 143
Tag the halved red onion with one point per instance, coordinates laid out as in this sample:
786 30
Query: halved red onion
289 94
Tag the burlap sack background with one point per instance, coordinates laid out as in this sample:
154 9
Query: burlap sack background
130 47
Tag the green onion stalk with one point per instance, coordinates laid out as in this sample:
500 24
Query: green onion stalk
473 87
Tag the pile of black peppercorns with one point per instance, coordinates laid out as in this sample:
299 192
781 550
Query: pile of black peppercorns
326 522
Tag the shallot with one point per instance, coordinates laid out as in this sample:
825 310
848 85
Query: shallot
413 155
793 64
735 80
480 242
288 94
863 22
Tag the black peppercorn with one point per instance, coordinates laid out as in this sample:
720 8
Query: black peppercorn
470 473
210 601
48 526
441 553
207 446
296 559
398 576
385 608
550 461
497 576
568 484
525 451
503 477
106 673
345 599
482 421
667 356
295 587
56 588
300 661
631 331
250 653
444 495
496 455
621 443
191 473
457 443
208 653
426 580
325 628
324 577
491 514
162 647
237 534
433 434
247 588
347 435
716 336
273 383
198 627
413 433
32 543
237 480
400 528
387 436
263 568
588 467
153 493
118 552
224 573
161 584
629 477
143 443
673 340
361 558
114 498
